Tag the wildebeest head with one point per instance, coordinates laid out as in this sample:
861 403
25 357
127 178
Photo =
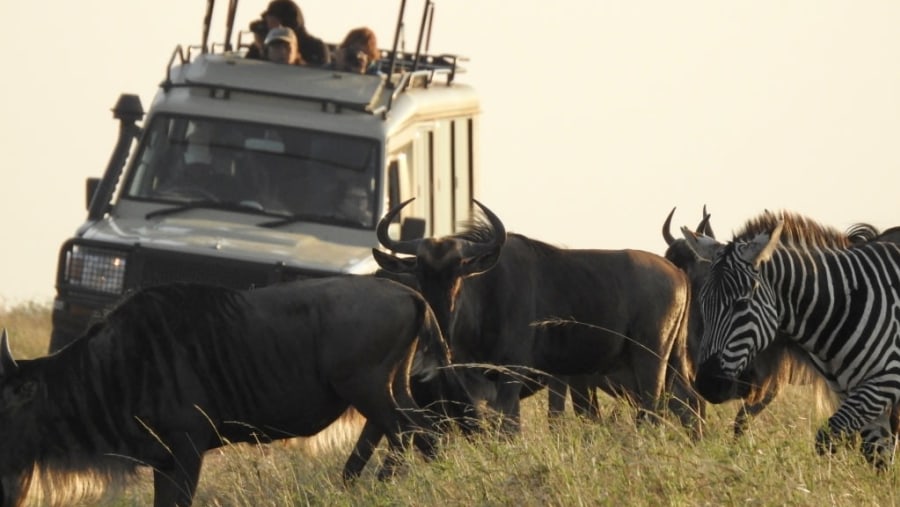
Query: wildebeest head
678 252
440 264
15 394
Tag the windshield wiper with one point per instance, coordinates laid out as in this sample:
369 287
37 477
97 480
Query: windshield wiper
219 205
332 219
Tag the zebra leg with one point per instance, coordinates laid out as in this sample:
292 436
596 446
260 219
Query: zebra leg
879 442
866 406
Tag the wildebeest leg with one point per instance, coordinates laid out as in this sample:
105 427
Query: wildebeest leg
556 397
13 489
507 403
390 409
392 461
584 396
365 446
750 410
648 377
175 484
682 399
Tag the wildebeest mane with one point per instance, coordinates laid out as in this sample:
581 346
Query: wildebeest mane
475 229
798 230
479 231
157 305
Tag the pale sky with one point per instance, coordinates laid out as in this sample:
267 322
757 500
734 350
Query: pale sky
598 116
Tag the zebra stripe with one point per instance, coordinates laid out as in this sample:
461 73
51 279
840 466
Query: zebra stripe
842 305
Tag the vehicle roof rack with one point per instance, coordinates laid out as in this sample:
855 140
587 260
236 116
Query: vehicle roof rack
222 71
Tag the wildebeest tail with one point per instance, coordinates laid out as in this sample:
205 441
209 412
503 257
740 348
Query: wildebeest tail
435 384
432 351
684 400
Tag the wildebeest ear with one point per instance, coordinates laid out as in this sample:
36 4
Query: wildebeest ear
704 247
7 363
760 249
393 263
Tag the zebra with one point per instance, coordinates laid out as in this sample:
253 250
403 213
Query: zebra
782 363
841 304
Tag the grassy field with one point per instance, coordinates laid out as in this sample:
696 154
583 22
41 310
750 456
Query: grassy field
575 463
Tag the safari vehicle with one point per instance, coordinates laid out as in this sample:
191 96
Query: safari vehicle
245 173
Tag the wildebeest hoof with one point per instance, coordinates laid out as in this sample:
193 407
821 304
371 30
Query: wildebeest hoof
824 442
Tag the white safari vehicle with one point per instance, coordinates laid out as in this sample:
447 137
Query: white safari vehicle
246 173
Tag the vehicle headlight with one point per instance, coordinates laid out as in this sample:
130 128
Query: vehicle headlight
96 269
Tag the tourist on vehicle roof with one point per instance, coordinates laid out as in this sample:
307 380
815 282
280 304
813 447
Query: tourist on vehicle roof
287 13
281 46
260 29
358 52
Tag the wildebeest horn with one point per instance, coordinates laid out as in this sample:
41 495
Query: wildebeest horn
498 238
408 247
7 363
704 227
666 229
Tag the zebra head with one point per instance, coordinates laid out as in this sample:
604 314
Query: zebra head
739 312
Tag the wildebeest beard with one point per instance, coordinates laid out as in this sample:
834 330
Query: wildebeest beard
713 384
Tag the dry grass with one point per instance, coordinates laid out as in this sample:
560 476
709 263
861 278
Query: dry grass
575 463
29 327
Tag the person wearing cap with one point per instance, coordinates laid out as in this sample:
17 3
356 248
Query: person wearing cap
281 46
286 13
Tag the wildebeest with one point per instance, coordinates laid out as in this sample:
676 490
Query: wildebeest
178 369
624 312
780 364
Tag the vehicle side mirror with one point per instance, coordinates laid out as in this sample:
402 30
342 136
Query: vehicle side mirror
412 228
92 184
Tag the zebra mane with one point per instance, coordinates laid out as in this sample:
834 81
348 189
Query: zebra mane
862 232
797 230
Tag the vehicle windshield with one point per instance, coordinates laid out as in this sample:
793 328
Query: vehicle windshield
285 172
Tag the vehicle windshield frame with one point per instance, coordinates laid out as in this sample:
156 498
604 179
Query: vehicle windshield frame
304 175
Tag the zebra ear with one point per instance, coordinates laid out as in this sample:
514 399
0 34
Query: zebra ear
761 248
704 247
7 363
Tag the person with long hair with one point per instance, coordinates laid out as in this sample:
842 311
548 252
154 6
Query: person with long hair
358 52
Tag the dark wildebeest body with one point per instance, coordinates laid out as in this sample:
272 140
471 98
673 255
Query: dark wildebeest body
177 370
618 313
